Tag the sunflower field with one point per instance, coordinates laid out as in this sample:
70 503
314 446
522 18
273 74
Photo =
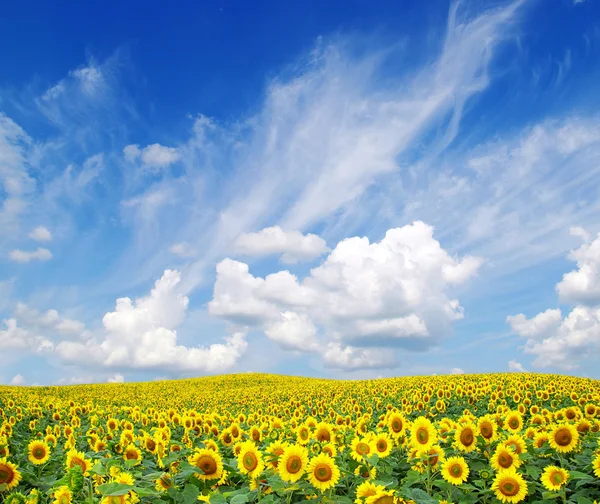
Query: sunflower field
261 438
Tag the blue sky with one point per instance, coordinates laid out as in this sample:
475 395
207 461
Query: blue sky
346 190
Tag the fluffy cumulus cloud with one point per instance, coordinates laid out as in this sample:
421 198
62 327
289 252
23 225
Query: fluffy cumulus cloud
392 293
18 338
17 380
24 256
516 367
50 320
564 342
40 233
142 334
153 156
583 284
292 246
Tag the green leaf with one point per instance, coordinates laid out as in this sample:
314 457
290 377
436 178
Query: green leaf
239 499
190 494
420 496
98 469
584 500
217 499
576 475
114 489
372 459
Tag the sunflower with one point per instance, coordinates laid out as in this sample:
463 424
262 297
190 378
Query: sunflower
513 421
396 424
434 456
209 462
564 438
422 433
303 434
509 486
75 457
132 452
323 432
275 451
383 444
516 442
361 447
554 478
15 498
124 478
33 497
382 497
455 470
9 474
331 450
63 495
366 489
322 472
465 437
38 452
488 428
504 457
293 463
250 460
595 466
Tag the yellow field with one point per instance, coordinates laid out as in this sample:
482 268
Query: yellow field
254 437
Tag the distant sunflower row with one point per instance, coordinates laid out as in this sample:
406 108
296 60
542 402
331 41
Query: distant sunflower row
260 438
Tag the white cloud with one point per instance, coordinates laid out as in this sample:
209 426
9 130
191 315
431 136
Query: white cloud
17 380
41 233
576 338
90 79
24 256
142 335
182 249
388 293
539 327
131 152
153 156
564 342
516 367
293 246
116 378
348 358
583 284
13 337
50 320
456 371
293 331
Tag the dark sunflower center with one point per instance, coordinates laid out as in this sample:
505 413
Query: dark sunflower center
396 425
505 460
362 448
486 431
381 445
466 437
6 474
563 437
456 471
131 455
422 436
39 453
250 461
557 478
386 499
509 487
323 473
207 464
514 423
294 464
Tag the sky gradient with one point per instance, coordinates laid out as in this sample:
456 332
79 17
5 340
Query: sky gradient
349 189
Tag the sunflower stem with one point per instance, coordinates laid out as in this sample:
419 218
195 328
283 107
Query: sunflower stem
90 490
